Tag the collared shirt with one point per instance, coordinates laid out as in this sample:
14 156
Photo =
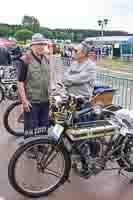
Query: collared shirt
37 58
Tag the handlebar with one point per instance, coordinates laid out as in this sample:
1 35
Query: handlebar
82 112
60 84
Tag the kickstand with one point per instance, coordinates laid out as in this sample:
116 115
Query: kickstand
131 181
122 173
68 180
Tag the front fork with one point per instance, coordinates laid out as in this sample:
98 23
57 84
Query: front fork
45 161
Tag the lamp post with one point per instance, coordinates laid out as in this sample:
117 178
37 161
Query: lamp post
102 23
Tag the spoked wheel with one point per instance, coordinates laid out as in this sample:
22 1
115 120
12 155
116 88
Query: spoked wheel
127 163
13 93
41 174
13 75
1 94
129 154
13 119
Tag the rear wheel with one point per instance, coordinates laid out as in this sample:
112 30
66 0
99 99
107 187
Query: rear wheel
42 175
127 162
1 94
11 120
13 93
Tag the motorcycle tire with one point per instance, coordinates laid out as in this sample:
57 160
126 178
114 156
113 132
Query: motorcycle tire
123 163
21 150
13 96
6 120
1 94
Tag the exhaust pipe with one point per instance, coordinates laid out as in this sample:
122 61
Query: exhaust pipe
88 133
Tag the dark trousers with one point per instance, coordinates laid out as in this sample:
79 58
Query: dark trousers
37 117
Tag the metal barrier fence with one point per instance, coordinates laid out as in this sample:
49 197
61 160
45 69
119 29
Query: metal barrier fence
124 96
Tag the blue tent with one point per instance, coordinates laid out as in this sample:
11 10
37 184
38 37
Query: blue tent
130 40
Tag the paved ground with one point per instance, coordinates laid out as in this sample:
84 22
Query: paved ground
106 186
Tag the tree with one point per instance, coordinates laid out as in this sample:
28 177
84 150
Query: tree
24 35
31 23
27 21
60 35
4 30
78 37
47 33
35 25
50 35
13 29
68 36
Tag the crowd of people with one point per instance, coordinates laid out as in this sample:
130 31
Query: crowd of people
103 51
9 55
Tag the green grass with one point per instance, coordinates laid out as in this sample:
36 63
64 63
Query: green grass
115 64
119 62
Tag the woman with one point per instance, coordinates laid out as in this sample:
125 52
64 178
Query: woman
80 78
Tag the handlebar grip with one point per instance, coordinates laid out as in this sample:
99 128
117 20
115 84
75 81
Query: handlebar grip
105 111
60 84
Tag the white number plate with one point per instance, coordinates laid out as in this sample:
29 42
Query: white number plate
124 131
57 131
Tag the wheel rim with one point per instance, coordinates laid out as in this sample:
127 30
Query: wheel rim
14 123
13 94
32 180
129 154
1 96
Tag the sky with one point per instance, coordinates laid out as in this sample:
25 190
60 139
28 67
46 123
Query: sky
82 14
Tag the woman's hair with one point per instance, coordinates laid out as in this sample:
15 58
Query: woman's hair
87 47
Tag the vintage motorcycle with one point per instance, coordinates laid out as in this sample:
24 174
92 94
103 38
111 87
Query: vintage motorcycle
8 85
96 144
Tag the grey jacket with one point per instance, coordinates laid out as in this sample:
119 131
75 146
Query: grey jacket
80 78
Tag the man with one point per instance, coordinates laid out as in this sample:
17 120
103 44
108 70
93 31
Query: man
33 82
5 58
80 78
16 53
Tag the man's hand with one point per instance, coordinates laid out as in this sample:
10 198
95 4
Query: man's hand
26 105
